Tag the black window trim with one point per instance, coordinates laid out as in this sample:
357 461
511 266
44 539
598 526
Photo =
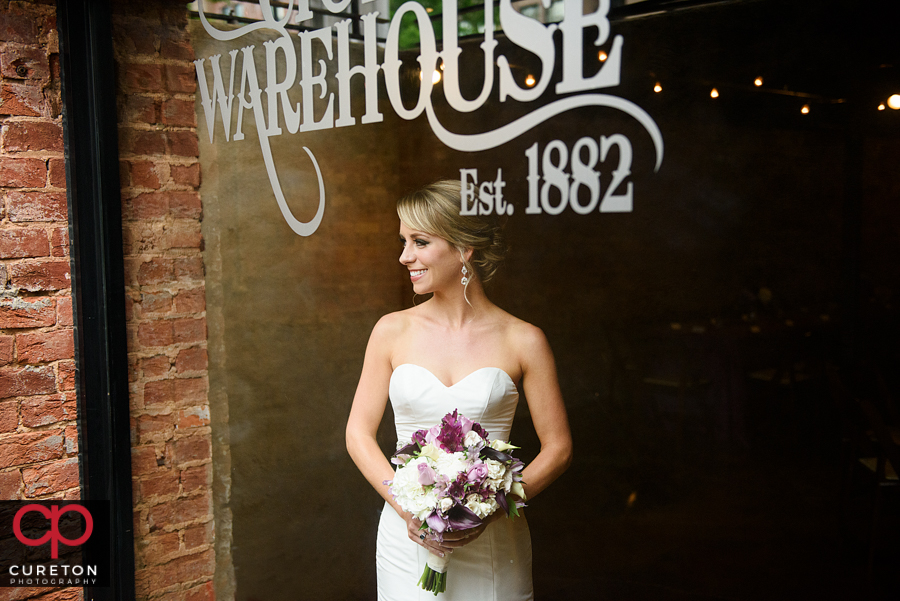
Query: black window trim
98 283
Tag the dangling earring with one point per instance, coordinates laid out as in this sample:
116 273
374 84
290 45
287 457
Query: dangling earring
465 279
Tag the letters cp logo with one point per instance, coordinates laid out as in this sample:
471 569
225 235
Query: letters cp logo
53 535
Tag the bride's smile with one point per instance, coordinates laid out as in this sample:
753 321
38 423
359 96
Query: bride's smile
433 263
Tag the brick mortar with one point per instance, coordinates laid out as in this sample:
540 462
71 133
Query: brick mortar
32 154
155 128
160 96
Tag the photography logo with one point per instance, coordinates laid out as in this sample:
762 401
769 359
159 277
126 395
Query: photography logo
54 543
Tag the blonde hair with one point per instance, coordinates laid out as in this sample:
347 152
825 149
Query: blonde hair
435 210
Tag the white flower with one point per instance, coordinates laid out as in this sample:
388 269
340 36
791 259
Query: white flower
481 508
472 439
516 489
495 468
412 496
407 476
446 504
431 451
451 464
502 446
421 505
507 480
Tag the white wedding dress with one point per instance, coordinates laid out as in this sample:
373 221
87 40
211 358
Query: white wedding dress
497 565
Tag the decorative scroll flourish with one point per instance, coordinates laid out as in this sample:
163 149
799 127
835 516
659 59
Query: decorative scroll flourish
511 131
268 22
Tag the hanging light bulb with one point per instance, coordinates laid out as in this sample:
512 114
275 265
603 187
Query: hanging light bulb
435 76
758 81
602 56
805 109
714 93
657 88
881 107
530 81
894 102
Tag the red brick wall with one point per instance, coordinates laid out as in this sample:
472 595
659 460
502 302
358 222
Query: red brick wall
165 299
38 436
164 288
38 441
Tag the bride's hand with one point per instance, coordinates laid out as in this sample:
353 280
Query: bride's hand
461 538
423 538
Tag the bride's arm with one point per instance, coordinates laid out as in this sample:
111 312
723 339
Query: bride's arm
545 403
366 413
550 422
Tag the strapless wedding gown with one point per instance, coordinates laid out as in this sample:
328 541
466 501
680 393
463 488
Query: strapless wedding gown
497 565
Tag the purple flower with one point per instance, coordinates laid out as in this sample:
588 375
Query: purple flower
491 453
466 425
407 450
437 523
451 434
419 437
432 435
461 517
457 489
426 474
477 473
441 482
501 501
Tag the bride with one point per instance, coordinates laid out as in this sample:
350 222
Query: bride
456 350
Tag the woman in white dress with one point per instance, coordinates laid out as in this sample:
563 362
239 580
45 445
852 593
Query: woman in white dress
457 350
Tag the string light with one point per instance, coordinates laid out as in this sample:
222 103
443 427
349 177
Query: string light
714 93
657 88
894 102
881 107
602 56
435 76
805 109
530 81
758 81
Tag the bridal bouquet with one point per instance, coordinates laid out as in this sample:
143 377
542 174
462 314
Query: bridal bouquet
451 477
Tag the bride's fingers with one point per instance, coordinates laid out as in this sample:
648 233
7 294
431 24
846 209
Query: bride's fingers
430 544
462 537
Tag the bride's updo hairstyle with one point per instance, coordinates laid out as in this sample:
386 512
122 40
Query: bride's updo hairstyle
434 210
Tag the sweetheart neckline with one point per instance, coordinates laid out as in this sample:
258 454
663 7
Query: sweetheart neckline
463 379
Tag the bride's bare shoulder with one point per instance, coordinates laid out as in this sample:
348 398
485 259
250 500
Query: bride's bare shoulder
383 341
392 324
520 333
